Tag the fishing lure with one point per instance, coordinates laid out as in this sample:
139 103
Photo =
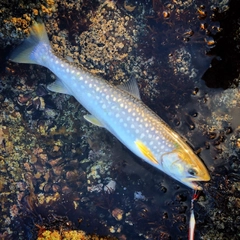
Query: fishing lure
192 222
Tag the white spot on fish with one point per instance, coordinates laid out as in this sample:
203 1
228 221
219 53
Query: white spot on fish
142 135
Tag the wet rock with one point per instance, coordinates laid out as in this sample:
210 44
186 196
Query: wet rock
117 213
110 187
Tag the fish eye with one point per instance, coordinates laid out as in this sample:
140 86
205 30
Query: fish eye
192 171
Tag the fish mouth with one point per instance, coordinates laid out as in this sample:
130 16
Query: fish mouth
196 186
203 178
192 183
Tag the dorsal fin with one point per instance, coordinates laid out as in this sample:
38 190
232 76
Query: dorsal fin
131 87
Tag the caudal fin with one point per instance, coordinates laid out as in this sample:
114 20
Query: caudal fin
32 47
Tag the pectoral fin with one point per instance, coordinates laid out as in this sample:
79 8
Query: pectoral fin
145 151
93 120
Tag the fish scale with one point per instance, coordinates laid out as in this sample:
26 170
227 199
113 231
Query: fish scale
119 109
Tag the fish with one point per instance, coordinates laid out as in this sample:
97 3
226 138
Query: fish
118 109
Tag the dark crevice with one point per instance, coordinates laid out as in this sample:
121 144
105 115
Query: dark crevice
225 67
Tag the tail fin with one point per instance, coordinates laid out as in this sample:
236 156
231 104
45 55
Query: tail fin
27 52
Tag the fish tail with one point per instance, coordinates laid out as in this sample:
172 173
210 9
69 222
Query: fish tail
35 48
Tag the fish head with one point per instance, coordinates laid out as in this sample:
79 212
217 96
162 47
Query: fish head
186 167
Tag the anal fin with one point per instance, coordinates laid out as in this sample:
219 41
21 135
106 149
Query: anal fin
93 120
58 87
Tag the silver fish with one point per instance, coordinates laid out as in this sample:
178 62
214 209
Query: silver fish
119 110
